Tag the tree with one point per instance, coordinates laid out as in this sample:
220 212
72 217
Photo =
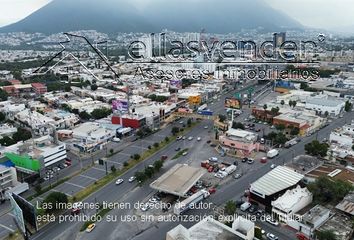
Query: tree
167 139
353 147
21 135
295 131
282 102
149 172
174 131
294 103
280 138
265 106
258 233
125 164
113 169
238 125
100 113
315 148
230 208
3 95
140 177
156 145
222 118
67 88
348 106
7 141
2 117
275 111
326 113
55 198
280 127
94 87
326 235
84 115
158 165
327 191
136 157
189 122
111 151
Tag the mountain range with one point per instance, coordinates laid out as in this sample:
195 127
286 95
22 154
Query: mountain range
113 16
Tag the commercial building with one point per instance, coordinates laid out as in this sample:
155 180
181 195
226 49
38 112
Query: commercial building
292 201
90 137
274 184
325 105
129 120
211 229
37 154
239 141
9 182
178 180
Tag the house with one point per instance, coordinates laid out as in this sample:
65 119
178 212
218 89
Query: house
292 201
347 204
341 225
237 140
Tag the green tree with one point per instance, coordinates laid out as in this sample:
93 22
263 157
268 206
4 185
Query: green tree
282 102
156 145
353 147
265 107
100 113
2 117
348 106
315 148
67 88
326 235
222 118
84 115
258 233
55 198
111 151
295 131
158 165
3 95
94 87
113 169
238 125
136 157
174 131
274 111
230 208
189 122
167 139
21 135
125 164
280 127
140 177
149 172
7 141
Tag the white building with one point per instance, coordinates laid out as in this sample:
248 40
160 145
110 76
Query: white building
322 104
90 137
211 229
290 203
9 183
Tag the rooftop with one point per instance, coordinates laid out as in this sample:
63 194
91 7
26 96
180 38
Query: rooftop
347 205
276 180
341 226
291 198
315 214
333 171
178 180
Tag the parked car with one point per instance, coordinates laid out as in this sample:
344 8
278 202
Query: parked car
184 153
179 138
273 166
250 161
264 160
213 159
178 149
245 159
199 139
190 138
238 175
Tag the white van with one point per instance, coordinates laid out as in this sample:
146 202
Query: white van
116 140
245 206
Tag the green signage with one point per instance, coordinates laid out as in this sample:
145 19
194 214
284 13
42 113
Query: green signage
24 161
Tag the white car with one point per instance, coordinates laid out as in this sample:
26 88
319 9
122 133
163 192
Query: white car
199 139
272 221
78 205
116 140
119 181
273 166
213 159
153 200
132 179
184 153
271 236
190 138
145 207
205 127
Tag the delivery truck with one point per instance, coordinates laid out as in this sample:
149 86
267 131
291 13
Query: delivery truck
272 153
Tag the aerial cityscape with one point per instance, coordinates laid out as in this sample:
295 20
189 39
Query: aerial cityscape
176 120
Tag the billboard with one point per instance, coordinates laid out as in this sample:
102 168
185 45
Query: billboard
18 214
232 103
194 100
28 210
120 105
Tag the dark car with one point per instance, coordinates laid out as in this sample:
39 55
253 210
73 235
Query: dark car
178 149
245 159
252 209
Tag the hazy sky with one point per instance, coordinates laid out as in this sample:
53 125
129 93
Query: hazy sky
327 14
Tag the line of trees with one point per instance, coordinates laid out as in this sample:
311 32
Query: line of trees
149 172
21 135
